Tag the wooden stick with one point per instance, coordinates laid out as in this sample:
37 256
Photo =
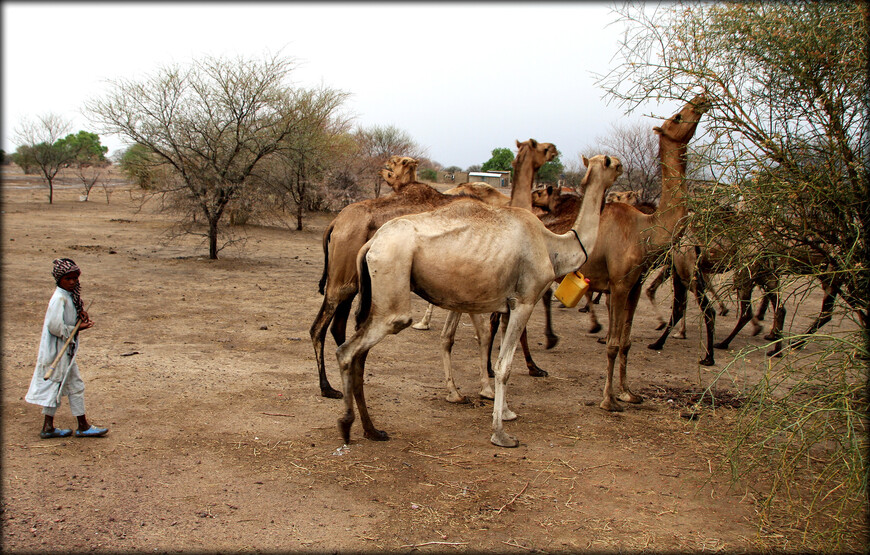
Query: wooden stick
51 368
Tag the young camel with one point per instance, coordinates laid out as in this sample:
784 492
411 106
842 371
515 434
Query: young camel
355 225
465 257
629 242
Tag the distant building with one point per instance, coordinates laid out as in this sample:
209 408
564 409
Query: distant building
496 178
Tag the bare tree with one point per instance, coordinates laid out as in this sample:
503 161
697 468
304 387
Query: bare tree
638 149
214 123
40 140
89 175
377 144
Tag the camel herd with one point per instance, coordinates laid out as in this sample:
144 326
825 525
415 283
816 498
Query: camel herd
475 250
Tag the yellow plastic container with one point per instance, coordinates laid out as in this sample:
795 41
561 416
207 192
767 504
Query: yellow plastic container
572 289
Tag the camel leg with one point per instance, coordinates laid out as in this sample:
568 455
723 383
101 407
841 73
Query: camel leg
448 335
483 342
825 315
552 338
776 330
534 369
744 311
615 306
709 314
327 314
494 321
594 324
423 324
651 291
517 319
625 345
678 313
723 310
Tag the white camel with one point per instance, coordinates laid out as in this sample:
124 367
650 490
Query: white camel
465 257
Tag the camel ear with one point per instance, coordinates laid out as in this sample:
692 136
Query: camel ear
657 129
533 143
585 161
607 161
519 144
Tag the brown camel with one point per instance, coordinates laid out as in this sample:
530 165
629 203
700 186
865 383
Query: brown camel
629 242
355 225
465 257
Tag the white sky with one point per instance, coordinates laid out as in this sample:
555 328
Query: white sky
460 78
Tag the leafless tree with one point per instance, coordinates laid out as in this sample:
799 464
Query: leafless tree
89 175
377 144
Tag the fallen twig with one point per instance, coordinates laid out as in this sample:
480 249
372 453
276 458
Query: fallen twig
514 498
276 414
433 543
514 544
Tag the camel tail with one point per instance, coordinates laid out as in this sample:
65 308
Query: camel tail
365 287
326 236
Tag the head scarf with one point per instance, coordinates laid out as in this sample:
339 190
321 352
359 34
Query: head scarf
62 267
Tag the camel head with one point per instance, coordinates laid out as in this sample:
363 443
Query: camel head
626 197
545 197
610 165
541 153
681 126
399 171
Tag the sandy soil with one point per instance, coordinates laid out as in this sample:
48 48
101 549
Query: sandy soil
205 374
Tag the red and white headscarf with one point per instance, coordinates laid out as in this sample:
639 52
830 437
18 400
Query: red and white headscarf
62 267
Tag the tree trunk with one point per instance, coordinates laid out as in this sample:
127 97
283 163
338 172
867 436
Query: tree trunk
212 238
50 191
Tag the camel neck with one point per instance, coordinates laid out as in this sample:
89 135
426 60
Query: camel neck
574 246
672 206
521 191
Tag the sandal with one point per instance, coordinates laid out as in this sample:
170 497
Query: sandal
93 431
57 432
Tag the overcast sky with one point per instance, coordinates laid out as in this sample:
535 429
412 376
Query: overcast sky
460 78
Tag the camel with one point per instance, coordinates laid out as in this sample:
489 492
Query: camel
465 257
356 224
630 241
489 195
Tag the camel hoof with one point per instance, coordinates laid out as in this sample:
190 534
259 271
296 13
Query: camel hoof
602 340
583 309
331 393
487 393
504 440
420 326
657 346
595 328
552 341
377 435
770 337
344 424
720 345
756 330
707 361
661 326
724 312
507 415
679 335
537 372
458 398
611 405
630 397
774 353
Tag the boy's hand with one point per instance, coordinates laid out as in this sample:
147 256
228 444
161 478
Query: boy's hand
86 321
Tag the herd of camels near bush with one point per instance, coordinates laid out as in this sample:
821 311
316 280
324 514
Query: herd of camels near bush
475 250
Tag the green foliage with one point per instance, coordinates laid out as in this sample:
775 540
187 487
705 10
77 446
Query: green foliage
85 146
138 165
784 148
24 157
551 171
501 160
428 174
453 169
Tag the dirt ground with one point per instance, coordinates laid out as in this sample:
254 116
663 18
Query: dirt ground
220 441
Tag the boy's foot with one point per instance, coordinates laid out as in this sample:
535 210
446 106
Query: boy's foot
93 431
55 432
